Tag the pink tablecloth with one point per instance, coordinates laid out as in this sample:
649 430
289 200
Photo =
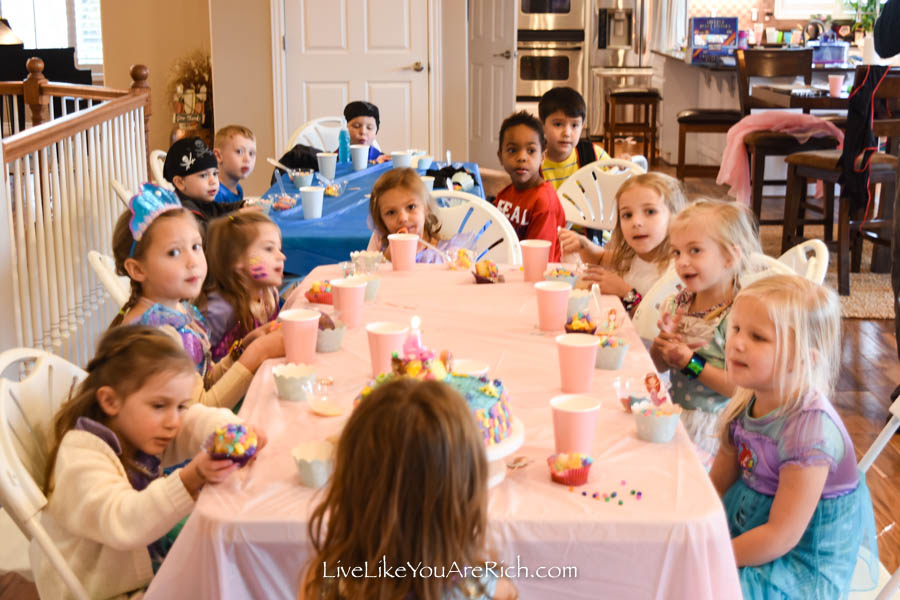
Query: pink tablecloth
247 538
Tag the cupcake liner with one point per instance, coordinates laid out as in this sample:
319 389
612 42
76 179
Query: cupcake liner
589 331
656 429
372 289
611 358
329 340
320 298
480 279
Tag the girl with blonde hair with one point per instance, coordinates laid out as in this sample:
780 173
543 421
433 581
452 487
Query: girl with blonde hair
638 251
713 243
797 507
423 503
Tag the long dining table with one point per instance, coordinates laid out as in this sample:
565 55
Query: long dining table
248 538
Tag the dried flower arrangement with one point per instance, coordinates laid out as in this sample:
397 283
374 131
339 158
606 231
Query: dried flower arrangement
190 91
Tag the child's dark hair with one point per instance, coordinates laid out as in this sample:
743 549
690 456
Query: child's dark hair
126 358
423 499
564 99
408 179
522 117
122 244
228 238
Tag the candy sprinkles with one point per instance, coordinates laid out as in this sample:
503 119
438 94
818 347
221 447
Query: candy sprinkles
612 496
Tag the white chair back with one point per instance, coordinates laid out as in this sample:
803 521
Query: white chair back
588 196
763 265
321 133
461 211
28 405
808 259
157 160
647 314
123 193
105 267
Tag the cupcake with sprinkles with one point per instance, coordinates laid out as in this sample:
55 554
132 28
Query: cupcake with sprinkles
570 468
560 273
611 352
233 441
581 322
319 292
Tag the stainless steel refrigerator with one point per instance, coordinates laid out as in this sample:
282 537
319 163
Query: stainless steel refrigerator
619 52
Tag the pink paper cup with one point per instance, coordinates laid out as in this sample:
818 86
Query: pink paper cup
577 354
385 338
574 422
552 301
835 83
535 256
301 328
403 250
349 296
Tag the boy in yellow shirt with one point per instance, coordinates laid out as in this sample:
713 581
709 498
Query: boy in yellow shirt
562 112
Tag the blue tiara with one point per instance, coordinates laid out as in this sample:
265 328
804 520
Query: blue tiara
151 202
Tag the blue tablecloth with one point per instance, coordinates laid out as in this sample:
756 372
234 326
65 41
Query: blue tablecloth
343 227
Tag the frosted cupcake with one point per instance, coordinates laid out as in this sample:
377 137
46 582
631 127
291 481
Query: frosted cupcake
611 352
561 274
319 292
581 323
570 469
233 441
486 271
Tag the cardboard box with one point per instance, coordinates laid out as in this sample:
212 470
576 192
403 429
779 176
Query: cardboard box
712 38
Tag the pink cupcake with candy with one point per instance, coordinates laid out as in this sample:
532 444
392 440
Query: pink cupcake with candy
233 441
570 468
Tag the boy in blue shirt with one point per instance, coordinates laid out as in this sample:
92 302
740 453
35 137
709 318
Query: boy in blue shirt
235 151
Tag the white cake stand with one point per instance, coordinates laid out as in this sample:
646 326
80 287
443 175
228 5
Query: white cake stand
497 452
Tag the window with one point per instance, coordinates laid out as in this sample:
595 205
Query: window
802 9
59 24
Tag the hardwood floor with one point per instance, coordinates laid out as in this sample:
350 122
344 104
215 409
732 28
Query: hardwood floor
869 373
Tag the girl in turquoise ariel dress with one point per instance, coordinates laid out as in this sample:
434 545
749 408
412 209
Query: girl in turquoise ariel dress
797 506
157 244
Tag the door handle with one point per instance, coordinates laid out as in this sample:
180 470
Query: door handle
506 54
416 66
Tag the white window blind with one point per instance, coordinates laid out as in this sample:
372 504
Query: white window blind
803 9
58 24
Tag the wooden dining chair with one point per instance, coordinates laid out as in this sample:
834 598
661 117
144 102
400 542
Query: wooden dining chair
761 144
825 165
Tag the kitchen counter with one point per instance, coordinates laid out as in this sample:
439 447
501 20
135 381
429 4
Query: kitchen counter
679 56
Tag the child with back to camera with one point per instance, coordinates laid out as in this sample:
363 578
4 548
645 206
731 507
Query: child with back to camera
109 504
638 251
400 204
246 268
428 507
797 506
713 243
157 244
192 168
235 152
529 202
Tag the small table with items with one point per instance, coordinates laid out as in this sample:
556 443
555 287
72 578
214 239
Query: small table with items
803 97
343 227
662 533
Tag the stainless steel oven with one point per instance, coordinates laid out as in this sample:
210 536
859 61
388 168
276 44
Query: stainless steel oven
544 65
549 15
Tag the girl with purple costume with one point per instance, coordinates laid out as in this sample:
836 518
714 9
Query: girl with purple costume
798 508
158 245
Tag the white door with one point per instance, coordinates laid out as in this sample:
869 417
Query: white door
492 75
337 51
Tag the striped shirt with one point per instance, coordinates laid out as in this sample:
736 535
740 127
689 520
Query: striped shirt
557 172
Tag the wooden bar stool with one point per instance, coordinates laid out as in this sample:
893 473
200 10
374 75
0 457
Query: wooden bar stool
644 126
701 120
824 164
760 144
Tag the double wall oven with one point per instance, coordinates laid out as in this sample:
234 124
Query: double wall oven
551 47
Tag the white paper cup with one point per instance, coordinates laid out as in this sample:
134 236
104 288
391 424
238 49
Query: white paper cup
312 198
428 180
402 159
327 163
359 154
424 163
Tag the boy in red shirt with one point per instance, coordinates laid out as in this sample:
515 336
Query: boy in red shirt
530 203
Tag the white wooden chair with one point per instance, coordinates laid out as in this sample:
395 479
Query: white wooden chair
588 196
117 286
647 314
27 407
461 211
808 259
157 160
888 584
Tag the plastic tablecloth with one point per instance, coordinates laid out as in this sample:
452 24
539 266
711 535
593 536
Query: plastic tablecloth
343 227
247 537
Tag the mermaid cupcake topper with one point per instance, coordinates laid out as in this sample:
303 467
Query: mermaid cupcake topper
145 206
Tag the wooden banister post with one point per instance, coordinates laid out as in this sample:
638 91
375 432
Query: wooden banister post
139 85
37 101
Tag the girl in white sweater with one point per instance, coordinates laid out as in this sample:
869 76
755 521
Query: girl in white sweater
109 503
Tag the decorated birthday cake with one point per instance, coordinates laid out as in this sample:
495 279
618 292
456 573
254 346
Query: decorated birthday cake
486 397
